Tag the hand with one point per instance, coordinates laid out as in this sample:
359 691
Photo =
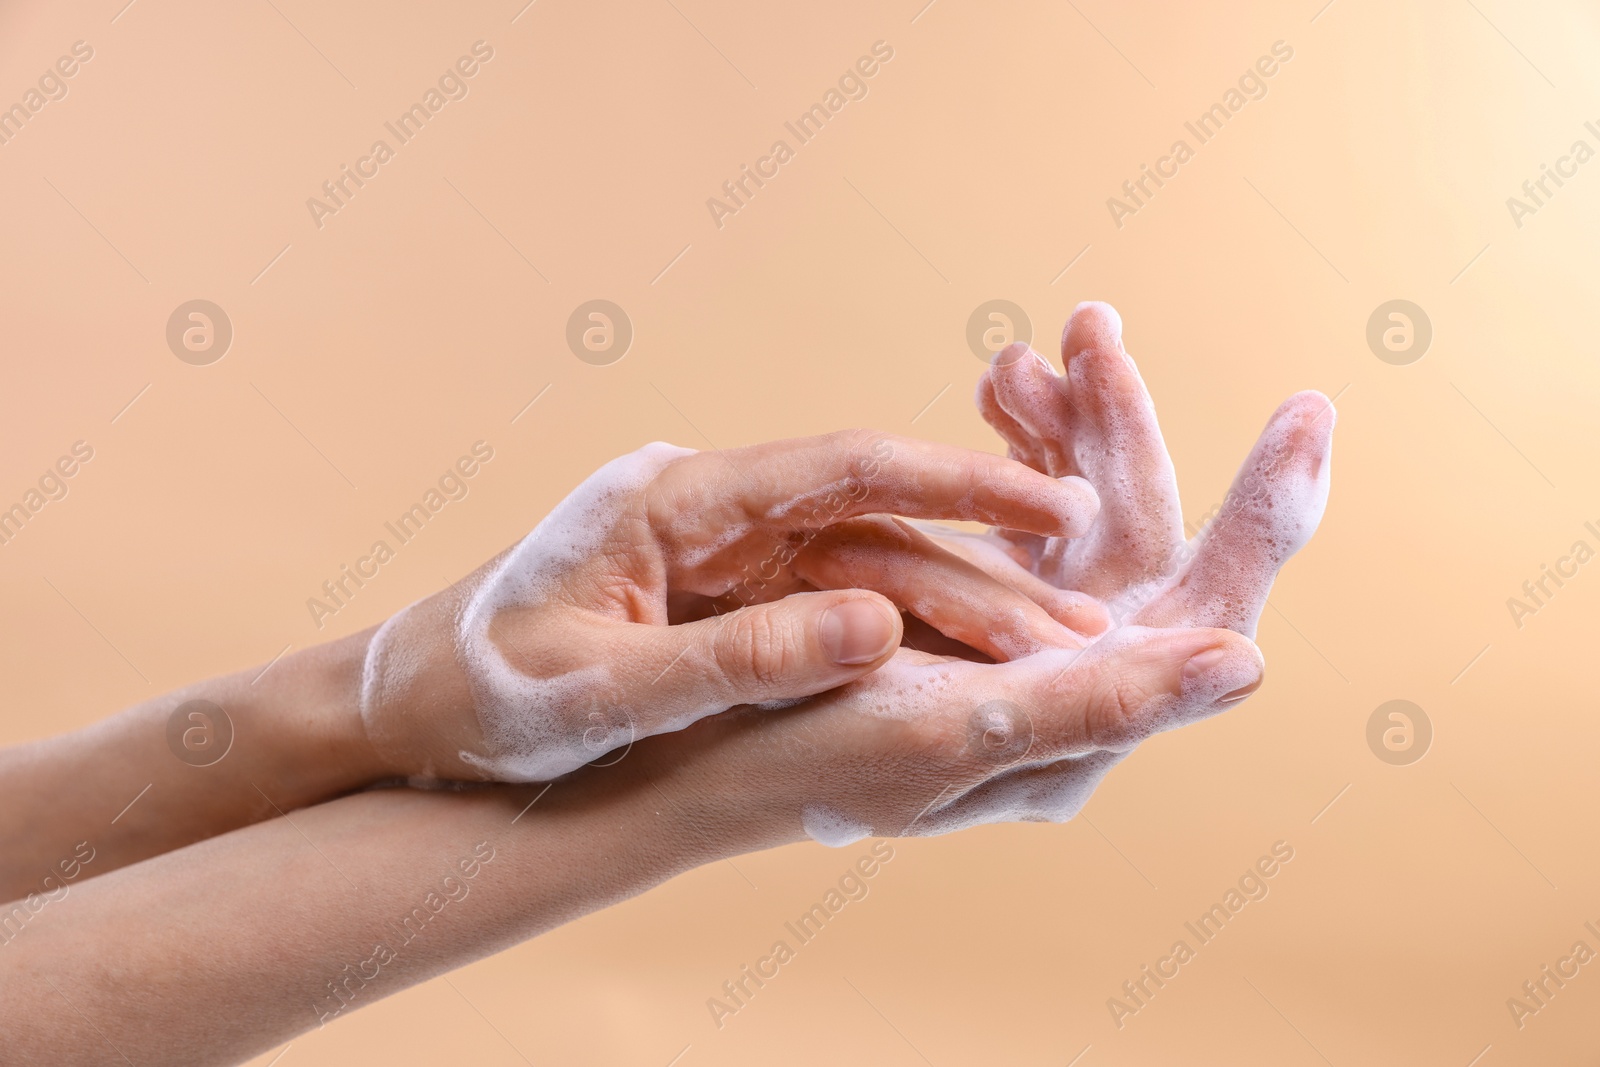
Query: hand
604 602
559 651
471 872
1096 420
606 623
927 744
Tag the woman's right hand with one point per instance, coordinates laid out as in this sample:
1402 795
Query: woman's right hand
673 585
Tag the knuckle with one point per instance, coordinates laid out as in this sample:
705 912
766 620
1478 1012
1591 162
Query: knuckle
1117 711
843 443
757 648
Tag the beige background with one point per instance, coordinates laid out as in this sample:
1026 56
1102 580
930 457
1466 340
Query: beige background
373 351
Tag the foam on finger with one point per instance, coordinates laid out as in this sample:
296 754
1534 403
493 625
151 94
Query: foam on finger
1129 684
1034 397
858 472
1092 324
1022 446
1064 718
1272 509
1119 447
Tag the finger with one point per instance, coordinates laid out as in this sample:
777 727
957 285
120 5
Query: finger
947 592
1272 509
553 697
790 485
1074 610
921 637
1022 445
780 651
1118 446
1079 711
1131 683
1031 394
1097 420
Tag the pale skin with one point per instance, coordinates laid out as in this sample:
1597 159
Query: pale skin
1096 420
899 742
302 735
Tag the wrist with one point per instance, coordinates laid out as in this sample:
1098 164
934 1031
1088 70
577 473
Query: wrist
704 790
312 698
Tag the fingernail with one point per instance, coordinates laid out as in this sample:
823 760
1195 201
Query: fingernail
1010 354
1239 694
856 632
1220 676
1092 323
1082 613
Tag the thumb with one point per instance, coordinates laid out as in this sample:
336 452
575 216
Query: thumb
1138 681
801 645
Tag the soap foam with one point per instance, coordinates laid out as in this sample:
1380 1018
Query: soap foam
832 828
1118 446
1070 756
1039 792
1273 508
534 728
1097 421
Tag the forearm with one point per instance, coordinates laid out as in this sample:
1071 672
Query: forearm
129 787
351 901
